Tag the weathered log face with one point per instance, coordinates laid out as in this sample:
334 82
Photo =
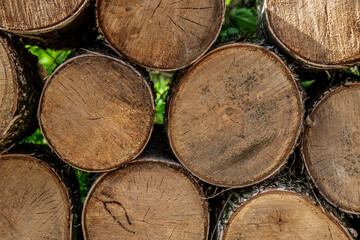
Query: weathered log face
282 215
91 100
161 34
34 203
235 116
147 199
34 17
18 95
8 88
331 147
320 33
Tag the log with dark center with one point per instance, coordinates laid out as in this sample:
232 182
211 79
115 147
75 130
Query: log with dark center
235 116
96 112
322 34
161 34
331 147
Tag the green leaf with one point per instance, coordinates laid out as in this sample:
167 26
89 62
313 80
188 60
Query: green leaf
49 58
244 20
307 83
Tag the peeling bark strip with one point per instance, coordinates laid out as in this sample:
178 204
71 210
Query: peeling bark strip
147 199
331 147
160 34
282 215
235 116
34 203
322 34
36 17
95 99
18 98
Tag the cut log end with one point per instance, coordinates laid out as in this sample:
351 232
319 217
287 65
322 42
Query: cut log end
282 215
34 203
93 99
331 147
8 87
161 34
35 17
235 116
319 33
147 199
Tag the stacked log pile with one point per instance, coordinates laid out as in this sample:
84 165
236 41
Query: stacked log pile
237 120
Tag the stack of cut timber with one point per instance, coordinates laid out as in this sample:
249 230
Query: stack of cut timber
234 117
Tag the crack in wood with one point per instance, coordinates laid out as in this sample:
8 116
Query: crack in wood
106 203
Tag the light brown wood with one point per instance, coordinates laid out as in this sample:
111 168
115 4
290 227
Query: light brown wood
331 147
147 199
284 215
321 33
96 112
161 34
18 97
38 16
235 116
34 203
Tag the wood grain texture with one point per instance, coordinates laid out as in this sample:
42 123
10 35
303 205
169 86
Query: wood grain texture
322 33
331 147
8 88
161 34
96 112
38 16
18 94
147 199
277 215
34 203
235 116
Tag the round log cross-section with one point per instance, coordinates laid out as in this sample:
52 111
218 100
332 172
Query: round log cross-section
147 199
282 215
235 116
96 112
331 147
160 34
34 203
321 33
30 17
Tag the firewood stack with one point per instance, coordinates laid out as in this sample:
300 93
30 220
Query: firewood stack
245 153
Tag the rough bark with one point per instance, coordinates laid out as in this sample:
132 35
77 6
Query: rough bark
94 99
163 34
151 198
330 147
318 34
280 214
35 202
19 94
235 116
48 21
